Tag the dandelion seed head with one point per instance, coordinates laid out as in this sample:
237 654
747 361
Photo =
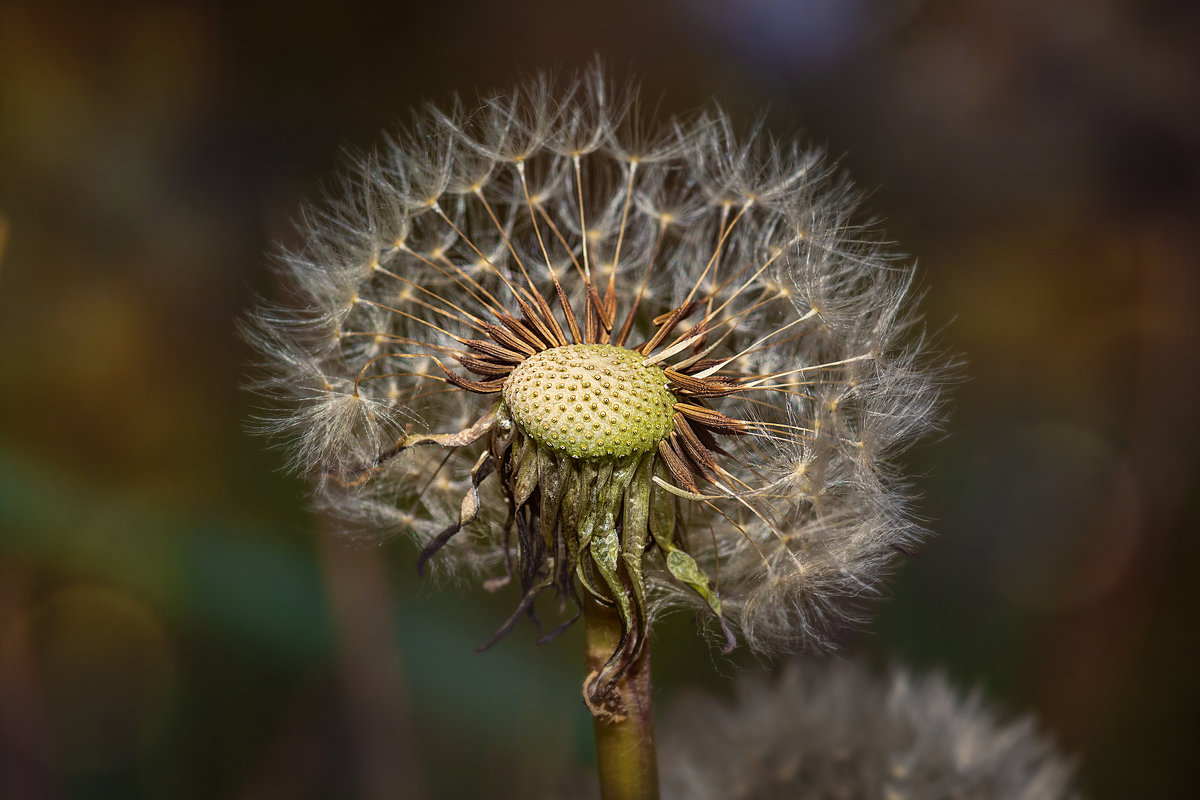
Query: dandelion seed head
774 366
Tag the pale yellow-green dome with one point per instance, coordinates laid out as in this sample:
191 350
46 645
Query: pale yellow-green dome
590 400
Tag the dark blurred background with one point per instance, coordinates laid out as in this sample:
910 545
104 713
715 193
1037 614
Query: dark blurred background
174 624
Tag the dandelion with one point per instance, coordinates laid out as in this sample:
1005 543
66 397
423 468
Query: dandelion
636 370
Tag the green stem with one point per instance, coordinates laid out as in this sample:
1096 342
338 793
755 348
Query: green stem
625 753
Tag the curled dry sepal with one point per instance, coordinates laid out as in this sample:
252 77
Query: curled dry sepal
661 368
832 730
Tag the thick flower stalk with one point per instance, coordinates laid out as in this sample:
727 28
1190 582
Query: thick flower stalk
633 370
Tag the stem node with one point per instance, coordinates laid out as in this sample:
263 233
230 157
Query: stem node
622 713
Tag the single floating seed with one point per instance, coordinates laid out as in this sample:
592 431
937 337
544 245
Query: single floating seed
638 401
